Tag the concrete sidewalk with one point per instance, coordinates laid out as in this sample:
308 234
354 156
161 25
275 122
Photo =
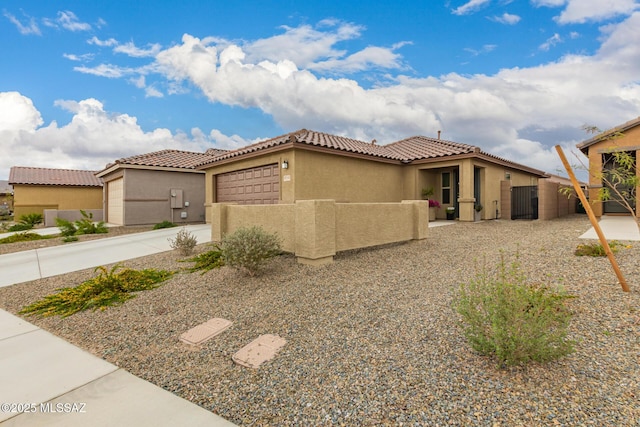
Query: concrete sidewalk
615 228
45 381
35 264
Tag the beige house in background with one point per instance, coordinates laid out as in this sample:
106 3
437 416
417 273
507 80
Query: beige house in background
154 187
306 165
37 189
598 149
6 197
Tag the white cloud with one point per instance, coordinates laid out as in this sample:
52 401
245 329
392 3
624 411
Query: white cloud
485 49
93 137
29 28
506 18
581 11
78 58
96 41
105 70
136 52
69 21
470 7
17 113
550 42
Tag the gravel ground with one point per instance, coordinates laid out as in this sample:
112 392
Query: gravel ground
372 338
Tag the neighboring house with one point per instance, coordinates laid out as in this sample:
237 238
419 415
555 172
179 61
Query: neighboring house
599 149
37 189
6 197
155 187
306 165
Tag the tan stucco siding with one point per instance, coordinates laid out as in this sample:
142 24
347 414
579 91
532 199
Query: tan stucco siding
346 179
37 198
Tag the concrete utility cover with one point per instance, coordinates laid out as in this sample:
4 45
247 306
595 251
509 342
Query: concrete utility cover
259 351
205 331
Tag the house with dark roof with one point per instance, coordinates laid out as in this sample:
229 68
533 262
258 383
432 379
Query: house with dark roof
306 165
599 149
37 189
154 187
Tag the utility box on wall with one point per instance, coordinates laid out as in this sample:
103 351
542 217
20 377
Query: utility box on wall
176 199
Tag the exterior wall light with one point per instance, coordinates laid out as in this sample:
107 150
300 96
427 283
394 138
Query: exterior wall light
285 165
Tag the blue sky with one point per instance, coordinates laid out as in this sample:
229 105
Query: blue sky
85 83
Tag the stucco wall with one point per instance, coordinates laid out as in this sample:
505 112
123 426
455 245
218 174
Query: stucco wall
552 203
37 198
316 229
345 179
147 198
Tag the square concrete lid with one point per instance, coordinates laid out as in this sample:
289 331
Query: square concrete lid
205 331
259 351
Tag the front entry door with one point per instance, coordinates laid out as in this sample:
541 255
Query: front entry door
614 206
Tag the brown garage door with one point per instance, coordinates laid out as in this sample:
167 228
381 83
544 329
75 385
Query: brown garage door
253 186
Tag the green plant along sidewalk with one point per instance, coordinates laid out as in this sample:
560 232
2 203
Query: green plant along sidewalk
206 261
513 321
110 287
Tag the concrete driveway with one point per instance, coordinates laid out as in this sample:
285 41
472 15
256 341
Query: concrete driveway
615 228
35 264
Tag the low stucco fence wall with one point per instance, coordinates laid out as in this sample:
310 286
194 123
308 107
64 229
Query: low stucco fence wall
315 230
72 215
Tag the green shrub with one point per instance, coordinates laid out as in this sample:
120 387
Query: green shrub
596 249
108 288
32 218
249 249
515 322
184 242
24 237
20 226
164 224
69 239
67 228
86 225
207 260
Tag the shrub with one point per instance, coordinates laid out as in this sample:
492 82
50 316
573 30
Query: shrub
67 228
69 239
24 237
596 249
86 225
249 249
184 242
108 288
20 226
164 224
207 260
511 320
33 219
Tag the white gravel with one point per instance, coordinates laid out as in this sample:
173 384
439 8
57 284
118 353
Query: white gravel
372 339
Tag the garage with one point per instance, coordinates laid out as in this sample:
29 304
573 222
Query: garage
115 205
255 186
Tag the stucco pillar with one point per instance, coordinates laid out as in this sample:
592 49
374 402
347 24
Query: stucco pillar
315 225
466 199
420 218
218 221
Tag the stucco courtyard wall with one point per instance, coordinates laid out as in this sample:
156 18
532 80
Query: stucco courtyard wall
315 230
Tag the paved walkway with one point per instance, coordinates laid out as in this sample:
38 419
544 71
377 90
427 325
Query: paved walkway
45 381
615 228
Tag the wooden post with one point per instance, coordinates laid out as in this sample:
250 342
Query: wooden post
593 219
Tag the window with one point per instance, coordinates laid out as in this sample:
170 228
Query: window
446 188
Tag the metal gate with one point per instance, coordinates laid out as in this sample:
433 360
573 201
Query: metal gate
524 202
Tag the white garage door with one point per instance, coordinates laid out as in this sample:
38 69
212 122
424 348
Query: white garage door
115 204
255 186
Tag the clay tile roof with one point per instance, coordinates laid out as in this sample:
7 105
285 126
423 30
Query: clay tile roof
168 159
309 137
45 176
421 147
